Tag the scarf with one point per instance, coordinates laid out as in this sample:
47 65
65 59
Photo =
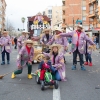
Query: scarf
54 57
78 33
28 49
47 36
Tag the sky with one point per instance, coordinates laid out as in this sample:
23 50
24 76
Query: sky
16 9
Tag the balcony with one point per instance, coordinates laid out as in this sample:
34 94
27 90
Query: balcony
93 1
93 13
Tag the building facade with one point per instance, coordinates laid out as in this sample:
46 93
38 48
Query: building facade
94 14
2 14
75 11
55 14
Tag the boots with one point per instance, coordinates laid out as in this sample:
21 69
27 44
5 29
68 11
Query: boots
30 76
13 75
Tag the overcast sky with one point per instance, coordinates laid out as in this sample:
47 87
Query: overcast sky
16 9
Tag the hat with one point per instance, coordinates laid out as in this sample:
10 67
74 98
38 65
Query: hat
46 30
25 32
5 32
58 29
55 45
29 41
80 26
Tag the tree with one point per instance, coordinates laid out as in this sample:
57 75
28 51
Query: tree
23 21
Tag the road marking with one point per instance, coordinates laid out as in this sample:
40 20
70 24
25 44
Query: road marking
56 94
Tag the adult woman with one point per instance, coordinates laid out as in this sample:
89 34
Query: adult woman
5 43
24 58
62 40
58 66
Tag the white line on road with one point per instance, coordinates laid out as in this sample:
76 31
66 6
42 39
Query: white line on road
56 94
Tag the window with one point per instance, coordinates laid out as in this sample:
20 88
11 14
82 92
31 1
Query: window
84 18
63 12
49 11
50 16
0 12
63 20
0 19
0 26
63 3
83 8
0 4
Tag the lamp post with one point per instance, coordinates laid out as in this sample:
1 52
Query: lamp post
73 23
8 21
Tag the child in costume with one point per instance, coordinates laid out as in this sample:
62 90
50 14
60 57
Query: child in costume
24 58
88 52
45 64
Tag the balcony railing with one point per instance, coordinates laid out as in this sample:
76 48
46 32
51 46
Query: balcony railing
93 1
93 11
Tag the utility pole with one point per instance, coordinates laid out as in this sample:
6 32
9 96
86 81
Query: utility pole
73 23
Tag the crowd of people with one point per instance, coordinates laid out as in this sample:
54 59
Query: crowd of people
81 45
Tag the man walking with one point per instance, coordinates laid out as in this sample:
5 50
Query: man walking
15 41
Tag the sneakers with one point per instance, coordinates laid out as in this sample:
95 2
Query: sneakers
74 67
30 76
86 63
83 68
3 63
13 75
90 64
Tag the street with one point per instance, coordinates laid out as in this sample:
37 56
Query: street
80 85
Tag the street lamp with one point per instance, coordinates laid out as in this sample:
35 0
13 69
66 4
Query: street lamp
7 21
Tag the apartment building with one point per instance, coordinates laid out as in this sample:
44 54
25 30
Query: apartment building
75 12
2 14
94 14
55 14
48 12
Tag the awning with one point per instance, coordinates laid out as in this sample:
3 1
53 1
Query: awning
96 30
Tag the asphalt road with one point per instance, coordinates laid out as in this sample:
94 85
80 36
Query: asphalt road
80 85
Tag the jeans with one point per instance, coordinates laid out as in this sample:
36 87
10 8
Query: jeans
97 45
55 73
3 56
88 57
75 57
15 46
